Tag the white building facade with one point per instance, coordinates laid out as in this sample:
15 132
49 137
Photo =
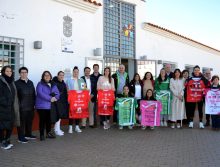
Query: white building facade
57 35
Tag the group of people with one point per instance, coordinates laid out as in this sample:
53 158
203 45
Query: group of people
19 99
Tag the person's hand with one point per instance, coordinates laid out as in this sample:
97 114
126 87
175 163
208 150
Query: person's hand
180 97
53 99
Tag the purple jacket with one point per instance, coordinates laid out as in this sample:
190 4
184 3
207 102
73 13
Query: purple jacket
43 95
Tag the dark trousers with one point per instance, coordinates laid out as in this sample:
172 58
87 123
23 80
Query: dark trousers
191 106
105 117
76 121
187 106
215 121
208 118
26 120
5 134
44 120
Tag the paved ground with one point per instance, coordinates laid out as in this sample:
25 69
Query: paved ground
163 147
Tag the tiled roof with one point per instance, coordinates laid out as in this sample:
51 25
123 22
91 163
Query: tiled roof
93 2
174 33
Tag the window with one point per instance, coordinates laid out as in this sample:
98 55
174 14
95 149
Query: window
173 65
11 53
144 66
113 63
119 29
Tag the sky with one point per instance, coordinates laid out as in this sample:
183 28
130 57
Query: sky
196 19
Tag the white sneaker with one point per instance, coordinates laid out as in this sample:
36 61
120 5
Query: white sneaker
105 125
59 133
143 127
173 126
152 127
161 123
77 129
108 124
70 129
120 127
190 124
201 125
165 123
178 126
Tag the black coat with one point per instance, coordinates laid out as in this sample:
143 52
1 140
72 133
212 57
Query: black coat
62 104
132 88
26 95
94 80
7 114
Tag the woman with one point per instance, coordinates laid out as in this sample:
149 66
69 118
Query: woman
136 89
195 87
75 83
163 94
47 93
9 109
62 103
177 90
124 106
106 82
215 118
149 97
148 83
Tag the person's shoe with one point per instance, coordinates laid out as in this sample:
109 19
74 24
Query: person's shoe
83 127
173 126
201 125
130 127
42 138
9 143
120 128
161 123
59 133
207 123
5 145
152 127
31 137
77 129
70 129
91 126
105 126
178 126
51 135
190 124
108 124
22 140
143 127
165 123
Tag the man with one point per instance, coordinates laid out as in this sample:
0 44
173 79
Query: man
94 79
168 70
208 76
26 97
121 79
87 80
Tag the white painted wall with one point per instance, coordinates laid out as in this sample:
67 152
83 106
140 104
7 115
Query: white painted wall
158 47
43 20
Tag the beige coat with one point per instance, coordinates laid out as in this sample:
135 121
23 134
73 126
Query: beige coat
178 107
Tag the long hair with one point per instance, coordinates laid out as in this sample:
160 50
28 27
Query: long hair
4 69
139 80
160 78
177 70
145 76
109 76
